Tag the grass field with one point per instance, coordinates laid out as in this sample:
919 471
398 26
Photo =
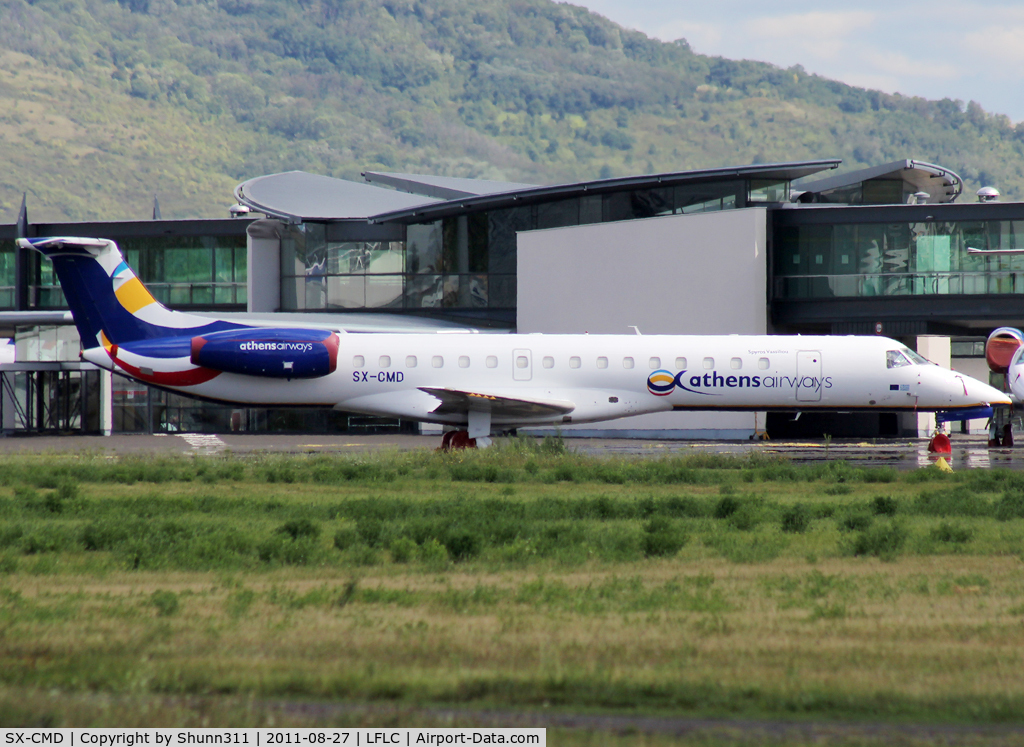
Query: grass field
522 577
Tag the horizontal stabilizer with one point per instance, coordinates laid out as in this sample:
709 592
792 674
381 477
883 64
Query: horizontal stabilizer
457 401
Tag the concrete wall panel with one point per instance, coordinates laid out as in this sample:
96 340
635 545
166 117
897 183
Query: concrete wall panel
682 274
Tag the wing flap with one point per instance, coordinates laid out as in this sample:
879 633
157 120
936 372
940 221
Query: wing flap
455 401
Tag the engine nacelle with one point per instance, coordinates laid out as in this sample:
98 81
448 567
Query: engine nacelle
276 352
1001 346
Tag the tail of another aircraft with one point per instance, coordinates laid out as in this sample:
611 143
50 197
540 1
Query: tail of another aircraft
107 299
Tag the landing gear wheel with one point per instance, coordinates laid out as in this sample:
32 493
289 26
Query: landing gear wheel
461 440
456 440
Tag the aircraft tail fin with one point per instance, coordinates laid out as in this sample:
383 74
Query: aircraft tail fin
107 299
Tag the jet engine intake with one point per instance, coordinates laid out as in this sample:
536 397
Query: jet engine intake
278 353
1001 346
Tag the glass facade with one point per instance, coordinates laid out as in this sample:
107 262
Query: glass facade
468 262
7 276
206 272
898 259
51 401
318 275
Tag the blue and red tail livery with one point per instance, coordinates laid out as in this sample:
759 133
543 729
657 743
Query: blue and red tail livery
107 298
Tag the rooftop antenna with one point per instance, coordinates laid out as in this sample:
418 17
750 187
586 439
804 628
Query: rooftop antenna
156 209
988 194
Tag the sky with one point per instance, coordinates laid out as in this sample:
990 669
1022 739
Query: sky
958 49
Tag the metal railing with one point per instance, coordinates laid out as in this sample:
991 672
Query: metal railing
1003 282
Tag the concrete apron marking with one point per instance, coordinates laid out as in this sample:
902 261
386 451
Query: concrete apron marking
203 443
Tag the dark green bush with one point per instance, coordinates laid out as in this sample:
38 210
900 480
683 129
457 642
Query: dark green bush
726 507
796 519
746 517
884 505
370 531
662 538
277 549
854 522
1010 506
951 533
960 501
299 529
883 540
402 550
462 546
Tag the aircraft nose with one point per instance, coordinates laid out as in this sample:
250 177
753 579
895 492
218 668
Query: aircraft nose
980 392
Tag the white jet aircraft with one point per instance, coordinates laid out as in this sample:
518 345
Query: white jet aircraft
486 383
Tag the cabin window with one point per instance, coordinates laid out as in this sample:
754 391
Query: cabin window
437 361
575 362
385 361
915 357
681 363
548 362
895 359
709 363
654 363
358 361
736 363
410 361
602 362
763 363
627 362
463 361
491 361
522 361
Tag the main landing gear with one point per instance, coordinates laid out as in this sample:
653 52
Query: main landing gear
456 440
453 440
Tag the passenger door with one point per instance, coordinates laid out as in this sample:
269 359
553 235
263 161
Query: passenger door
808 370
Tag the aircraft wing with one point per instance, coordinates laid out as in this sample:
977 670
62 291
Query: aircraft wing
500 406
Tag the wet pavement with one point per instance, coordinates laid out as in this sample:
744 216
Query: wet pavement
969 452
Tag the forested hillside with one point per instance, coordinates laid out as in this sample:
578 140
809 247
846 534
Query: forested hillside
103 104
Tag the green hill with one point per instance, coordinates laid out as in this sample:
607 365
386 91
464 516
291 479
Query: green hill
104 104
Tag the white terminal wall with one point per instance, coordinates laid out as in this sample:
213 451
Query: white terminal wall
699 274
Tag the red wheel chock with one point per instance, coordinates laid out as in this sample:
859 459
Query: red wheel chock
940 444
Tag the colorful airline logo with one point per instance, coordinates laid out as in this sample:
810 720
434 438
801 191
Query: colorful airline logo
662 383
276 347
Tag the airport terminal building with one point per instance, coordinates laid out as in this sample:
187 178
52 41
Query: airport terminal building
770 248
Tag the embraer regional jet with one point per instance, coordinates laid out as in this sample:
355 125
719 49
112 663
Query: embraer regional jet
486 383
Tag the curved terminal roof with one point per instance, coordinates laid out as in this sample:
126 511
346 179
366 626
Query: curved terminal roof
442 187
769 172
297 196
942 184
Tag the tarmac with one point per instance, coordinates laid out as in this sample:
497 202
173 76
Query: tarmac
969 452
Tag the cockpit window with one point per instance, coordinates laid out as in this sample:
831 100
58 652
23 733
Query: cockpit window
1020 356
915 357
895 359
